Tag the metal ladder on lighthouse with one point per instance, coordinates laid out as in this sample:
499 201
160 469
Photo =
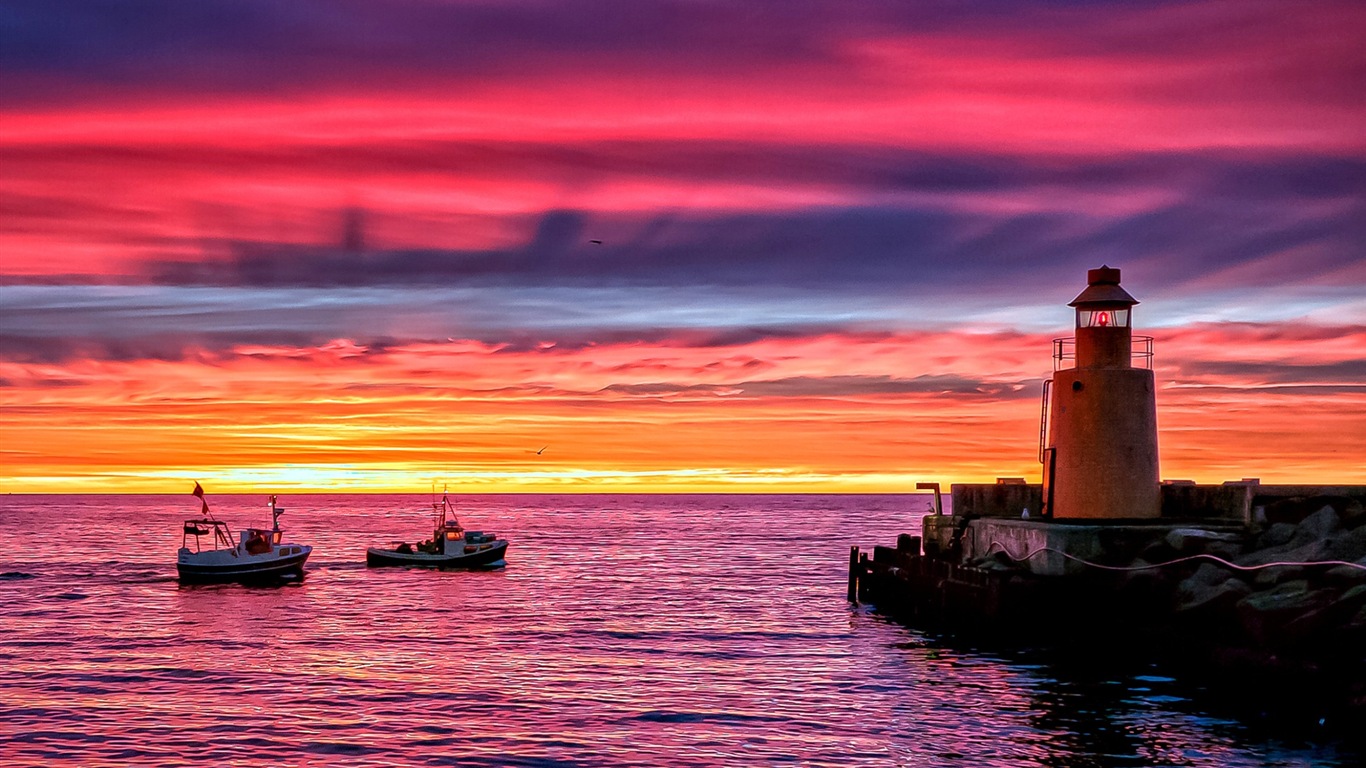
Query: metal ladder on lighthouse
1047 456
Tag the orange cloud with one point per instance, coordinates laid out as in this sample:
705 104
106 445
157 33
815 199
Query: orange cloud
809 413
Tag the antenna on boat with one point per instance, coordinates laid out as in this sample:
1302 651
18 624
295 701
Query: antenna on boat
275 513
436 506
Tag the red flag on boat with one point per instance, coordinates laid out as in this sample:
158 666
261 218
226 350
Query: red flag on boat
200 493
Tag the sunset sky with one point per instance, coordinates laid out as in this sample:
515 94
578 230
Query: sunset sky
683 246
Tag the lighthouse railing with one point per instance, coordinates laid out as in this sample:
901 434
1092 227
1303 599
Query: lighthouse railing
1065 352
1141 352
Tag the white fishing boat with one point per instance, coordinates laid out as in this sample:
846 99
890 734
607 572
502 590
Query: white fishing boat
451 546
257 555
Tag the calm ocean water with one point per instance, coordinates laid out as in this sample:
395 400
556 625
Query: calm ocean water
625 631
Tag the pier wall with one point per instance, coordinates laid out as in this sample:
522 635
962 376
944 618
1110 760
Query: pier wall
1190 501
1046 548
1247 502
996 500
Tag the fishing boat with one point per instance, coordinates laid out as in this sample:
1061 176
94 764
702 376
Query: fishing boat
257 555
450 546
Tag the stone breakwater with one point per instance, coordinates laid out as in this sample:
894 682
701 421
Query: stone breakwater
1294 581
1274 606
1298 589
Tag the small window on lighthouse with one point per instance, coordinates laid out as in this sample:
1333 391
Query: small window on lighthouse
1103 318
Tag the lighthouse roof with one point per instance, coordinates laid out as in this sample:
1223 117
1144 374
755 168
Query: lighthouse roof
1103 288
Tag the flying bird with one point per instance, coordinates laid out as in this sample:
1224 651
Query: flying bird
595 242
538 453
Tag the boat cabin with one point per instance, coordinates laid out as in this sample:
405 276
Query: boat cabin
253 541
256 541
449 536
451 531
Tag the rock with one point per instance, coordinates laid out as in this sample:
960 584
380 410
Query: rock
1141 569
1212 602
1270 577
1194 541
1266 615
1346 575
1354 597
1158 551
1208 575
998 566
996 561
1317 526
1227 550
1147 581
1275 536
1304 629
1348 545
1315 625
1309 552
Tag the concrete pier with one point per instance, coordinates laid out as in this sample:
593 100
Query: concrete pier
1275 584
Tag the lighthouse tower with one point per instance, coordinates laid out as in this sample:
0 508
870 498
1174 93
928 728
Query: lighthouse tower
1100 450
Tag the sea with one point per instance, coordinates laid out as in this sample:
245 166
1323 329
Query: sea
625 630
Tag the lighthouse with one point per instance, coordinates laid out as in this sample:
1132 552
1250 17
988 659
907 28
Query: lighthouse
1099 429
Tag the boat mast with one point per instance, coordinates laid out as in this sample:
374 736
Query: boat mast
438 511
218 532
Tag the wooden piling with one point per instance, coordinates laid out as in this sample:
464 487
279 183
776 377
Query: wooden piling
854 567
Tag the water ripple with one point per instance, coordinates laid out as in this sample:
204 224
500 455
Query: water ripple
608 640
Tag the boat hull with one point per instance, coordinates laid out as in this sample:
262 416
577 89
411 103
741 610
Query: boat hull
243 570
379 557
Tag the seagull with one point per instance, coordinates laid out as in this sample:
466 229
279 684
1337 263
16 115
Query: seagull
538 453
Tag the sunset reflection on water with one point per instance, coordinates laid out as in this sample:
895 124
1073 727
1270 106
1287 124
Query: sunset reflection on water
625 630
